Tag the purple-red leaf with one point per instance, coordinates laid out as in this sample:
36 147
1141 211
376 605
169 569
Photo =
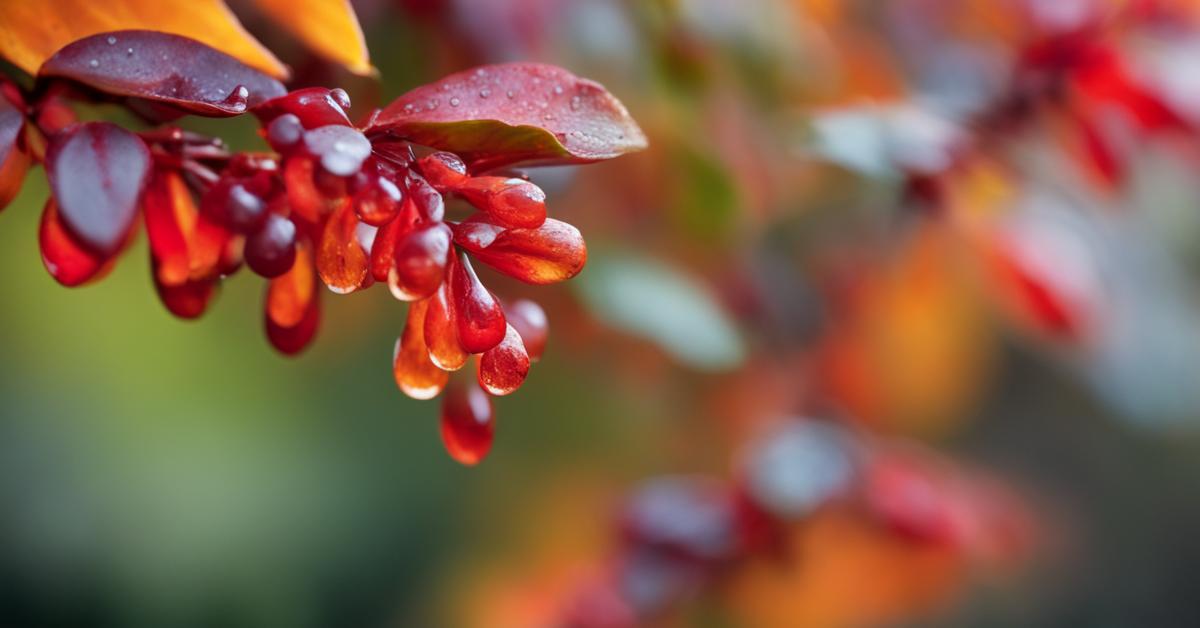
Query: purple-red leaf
163 68
97 171
526 113
13 160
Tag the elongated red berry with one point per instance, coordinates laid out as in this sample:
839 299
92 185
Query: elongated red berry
341 260
419 262
231 203
468 422
378 201
441 333
187 300
415 374
478 315
530 321
304 198
271 250
290 294
511 202
551 253
292 340
502 369
166 231
442 170
384 246
313 106
67 261
428 201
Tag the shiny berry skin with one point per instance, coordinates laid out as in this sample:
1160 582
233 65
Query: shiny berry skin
415 374
378 201
271 250
441 334
530 321
468 421
479 317
231 203
502 369
511 202
419 262
313 106
285 132
443 170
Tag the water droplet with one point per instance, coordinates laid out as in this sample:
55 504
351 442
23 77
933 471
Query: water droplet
129 52
433 104
558 89
408 108
445 87
454 101
510 93
548 116
480 72
575 103
94 63
111 40
485 92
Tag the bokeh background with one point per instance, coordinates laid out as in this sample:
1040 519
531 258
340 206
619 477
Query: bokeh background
815 231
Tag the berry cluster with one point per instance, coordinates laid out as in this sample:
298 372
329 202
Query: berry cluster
681 535
334 203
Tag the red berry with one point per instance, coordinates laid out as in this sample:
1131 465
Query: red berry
529 319
416 376
230 202
271 250
441 334
443 170
340 149
313 106
285 132
341 259
468 422
378 201
419 262
502 369
67 261
512 202
551 253
293 305
428 201
478 315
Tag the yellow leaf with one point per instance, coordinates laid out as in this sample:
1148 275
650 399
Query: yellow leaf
33 31
328 27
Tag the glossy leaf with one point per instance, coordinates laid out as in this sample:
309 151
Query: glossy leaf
328 27
664 305
415 374
502 369
551 253
468 421
341 259
34 31
514 113
441 333
163 68
97 171
13 160
478 315
67 261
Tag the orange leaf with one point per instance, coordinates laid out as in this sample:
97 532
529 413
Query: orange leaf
328 27
33 31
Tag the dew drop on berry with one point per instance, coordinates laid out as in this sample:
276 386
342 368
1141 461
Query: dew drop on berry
285 132
340 149
441 335
468 421
530 321
478 316
415 374
341 260
502 369
513 202
419 262
271 251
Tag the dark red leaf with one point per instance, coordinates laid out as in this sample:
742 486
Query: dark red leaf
526 113
163 68
13 160
97 171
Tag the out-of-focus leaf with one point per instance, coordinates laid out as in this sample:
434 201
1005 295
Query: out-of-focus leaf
97 171
328 27
880 141
662 304
33 31
525 113
13 161
164 68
